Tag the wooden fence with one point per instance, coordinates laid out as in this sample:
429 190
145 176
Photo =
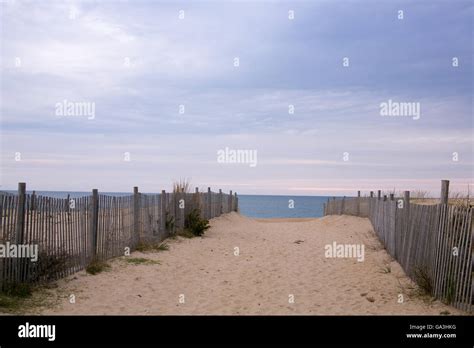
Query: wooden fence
71 232
433 243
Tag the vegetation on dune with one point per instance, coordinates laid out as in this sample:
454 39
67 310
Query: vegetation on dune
96 267
186 234
141 261
423 280
13 296
420 194
460 199
182 186
152 246
195 224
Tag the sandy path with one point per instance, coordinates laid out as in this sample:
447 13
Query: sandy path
270 268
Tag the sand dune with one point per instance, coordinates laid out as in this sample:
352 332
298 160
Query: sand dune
279 260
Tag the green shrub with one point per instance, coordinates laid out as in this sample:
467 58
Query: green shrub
195 224
96 267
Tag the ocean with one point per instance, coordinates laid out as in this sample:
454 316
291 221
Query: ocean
255 206
258 206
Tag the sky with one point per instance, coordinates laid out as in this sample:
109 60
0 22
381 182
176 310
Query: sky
168 95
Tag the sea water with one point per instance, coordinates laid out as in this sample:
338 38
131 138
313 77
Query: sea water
260 206
256 206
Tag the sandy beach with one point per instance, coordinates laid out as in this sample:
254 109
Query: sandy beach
280 268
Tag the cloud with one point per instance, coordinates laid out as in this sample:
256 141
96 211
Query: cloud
139 63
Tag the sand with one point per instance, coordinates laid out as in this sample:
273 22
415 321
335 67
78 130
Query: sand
279 260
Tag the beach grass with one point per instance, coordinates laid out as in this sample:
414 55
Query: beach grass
25 298
96 267
14 295
147 247
141 261
186 233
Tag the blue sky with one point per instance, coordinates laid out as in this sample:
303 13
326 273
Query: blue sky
137 61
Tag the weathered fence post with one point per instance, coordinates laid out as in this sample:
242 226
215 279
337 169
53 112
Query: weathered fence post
406 198
384 198
95 222
343 205
379 193
230 201
66 207
209 203
20 230
403 259
469 306
392 226
444 191
220 202
406 207
136 214
371 204
358 203
33 200
20 218
163 211
236 203
197 198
